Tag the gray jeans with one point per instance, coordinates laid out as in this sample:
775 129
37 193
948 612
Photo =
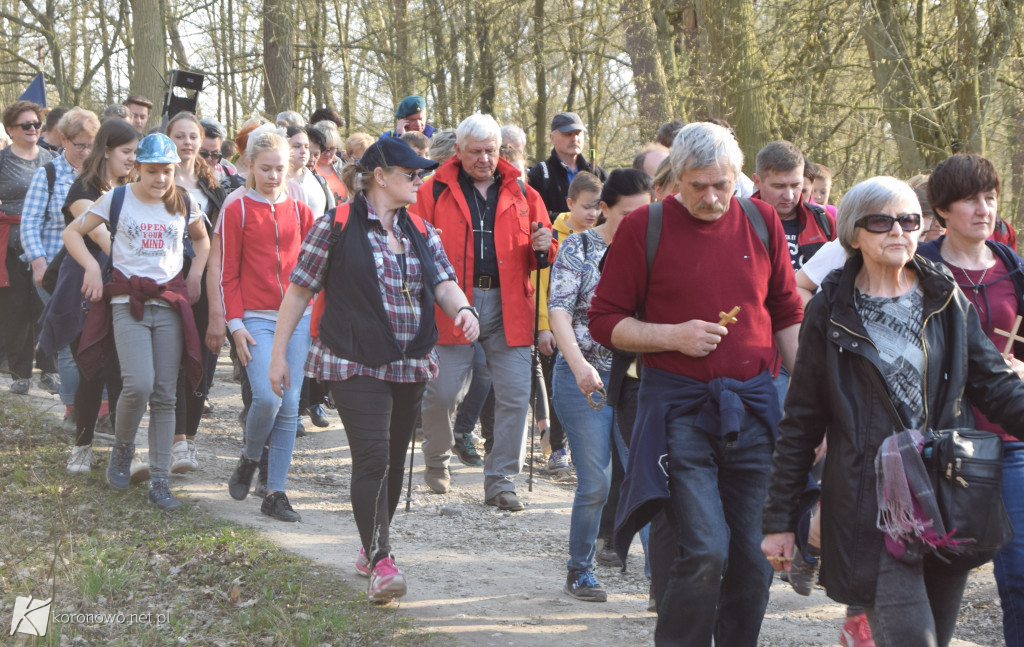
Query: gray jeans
510 370
150 354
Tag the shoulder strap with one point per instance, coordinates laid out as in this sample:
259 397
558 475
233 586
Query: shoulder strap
116 202
544 168
653 237
51 180
756 221
821 217
419 223
586 245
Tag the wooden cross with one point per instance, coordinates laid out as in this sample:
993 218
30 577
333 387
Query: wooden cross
727 318
1012 336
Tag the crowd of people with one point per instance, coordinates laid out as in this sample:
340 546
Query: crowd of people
652 319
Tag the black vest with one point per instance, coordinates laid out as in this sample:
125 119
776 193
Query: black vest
355 325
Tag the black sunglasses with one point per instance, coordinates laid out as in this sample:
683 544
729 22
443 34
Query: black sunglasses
216 157
30 125
880 223
412 175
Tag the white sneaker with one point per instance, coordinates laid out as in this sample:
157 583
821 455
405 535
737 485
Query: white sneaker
181 462
139 471
80 460
193 455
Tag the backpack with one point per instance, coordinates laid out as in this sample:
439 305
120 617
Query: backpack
821 217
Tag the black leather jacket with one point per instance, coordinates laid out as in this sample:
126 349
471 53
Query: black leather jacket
831 393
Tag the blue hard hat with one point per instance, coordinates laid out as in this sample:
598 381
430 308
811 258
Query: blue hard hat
157 148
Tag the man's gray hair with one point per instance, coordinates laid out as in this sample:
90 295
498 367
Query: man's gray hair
290 118
701 145
513 134
480 127
873 195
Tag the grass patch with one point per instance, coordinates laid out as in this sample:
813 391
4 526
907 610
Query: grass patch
185 578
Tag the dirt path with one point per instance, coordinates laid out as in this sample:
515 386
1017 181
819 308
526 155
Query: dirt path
483 576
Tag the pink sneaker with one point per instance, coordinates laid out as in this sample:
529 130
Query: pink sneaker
386 581
363 563
856 632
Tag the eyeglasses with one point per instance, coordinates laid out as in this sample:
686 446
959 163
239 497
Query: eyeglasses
30 125
207 155
880 223
81 148
412 175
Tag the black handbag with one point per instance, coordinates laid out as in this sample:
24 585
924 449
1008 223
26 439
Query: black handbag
966 471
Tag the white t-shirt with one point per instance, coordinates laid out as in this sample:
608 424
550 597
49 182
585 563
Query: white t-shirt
315 196
148 241
830 256
200 198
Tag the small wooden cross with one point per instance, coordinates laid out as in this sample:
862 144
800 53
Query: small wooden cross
1012 336
727 318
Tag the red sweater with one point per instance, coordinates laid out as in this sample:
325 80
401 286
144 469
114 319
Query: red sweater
702 269
259 245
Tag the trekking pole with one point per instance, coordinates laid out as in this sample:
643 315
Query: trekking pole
542 258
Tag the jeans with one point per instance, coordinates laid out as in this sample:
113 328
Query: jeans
1009 564
914 606
150 354
592 435
66 367
719 580
270 416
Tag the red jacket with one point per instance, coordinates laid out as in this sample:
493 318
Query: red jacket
271 236
512 230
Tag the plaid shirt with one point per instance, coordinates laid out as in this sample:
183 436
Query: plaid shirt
403 311
42 222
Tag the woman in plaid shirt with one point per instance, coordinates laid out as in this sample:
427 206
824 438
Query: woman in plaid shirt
375 343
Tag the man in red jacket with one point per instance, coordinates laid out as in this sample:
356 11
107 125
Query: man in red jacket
495 230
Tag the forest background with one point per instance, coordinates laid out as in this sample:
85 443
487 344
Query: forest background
865 87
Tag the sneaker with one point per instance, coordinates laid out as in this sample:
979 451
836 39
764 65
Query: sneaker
437 479
20 387
261 478
70 423
386 581
545 441
506 501
104 428
318 416
241 480
50 382
160 495
856 632
300 430
362 563
558 463
139 470
276 505
606 555
119 468
803 574
466 450
180 461
193 454
207 407
80 460
583 585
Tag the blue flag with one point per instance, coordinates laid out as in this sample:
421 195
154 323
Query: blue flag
36 91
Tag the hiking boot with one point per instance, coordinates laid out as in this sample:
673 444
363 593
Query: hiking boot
80 460
362 563
139 470
119 468
241 480
318 416
104 428
180 461
160 495
50 382
276 505
856 632
558 463
583 585
506 501
20 387
437 479
386 581
466 451
803 574
70 423
606 555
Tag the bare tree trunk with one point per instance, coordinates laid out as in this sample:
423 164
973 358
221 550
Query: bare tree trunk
487 64
150 52
278 44
652 92
541 113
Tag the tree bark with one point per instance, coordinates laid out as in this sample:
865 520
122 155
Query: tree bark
278 45
652 93
150 53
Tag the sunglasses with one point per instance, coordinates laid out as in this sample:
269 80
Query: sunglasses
412 175
206 155
880 223
30 125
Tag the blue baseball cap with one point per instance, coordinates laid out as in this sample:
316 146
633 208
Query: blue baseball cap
394 151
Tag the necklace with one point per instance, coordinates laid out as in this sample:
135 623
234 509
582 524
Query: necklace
975 286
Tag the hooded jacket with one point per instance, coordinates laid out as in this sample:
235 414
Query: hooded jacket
831 389
551 179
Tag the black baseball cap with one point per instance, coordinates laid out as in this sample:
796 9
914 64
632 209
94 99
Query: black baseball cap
567 122
393 151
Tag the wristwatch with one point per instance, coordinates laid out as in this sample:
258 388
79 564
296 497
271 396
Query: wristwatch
471 309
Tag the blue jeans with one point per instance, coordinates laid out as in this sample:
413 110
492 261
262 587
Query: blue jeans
591 435
66 367
719 580
270 416
1009 564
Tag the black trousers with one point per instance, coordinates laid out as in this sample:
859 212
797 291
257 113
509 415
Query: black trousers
379 419
20 307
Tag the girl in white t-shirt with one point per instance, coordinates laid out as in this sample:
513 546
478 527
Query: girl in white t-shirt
150 302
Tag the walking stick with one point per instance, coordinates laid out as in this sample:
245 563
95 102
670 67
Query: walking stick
542 258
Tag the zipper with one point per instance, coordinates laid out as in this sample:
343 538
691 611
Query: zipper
924 346
277 247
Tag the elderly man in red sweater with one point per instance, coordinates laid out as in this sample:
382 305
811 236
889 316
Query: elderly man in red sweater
495 230
707 411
